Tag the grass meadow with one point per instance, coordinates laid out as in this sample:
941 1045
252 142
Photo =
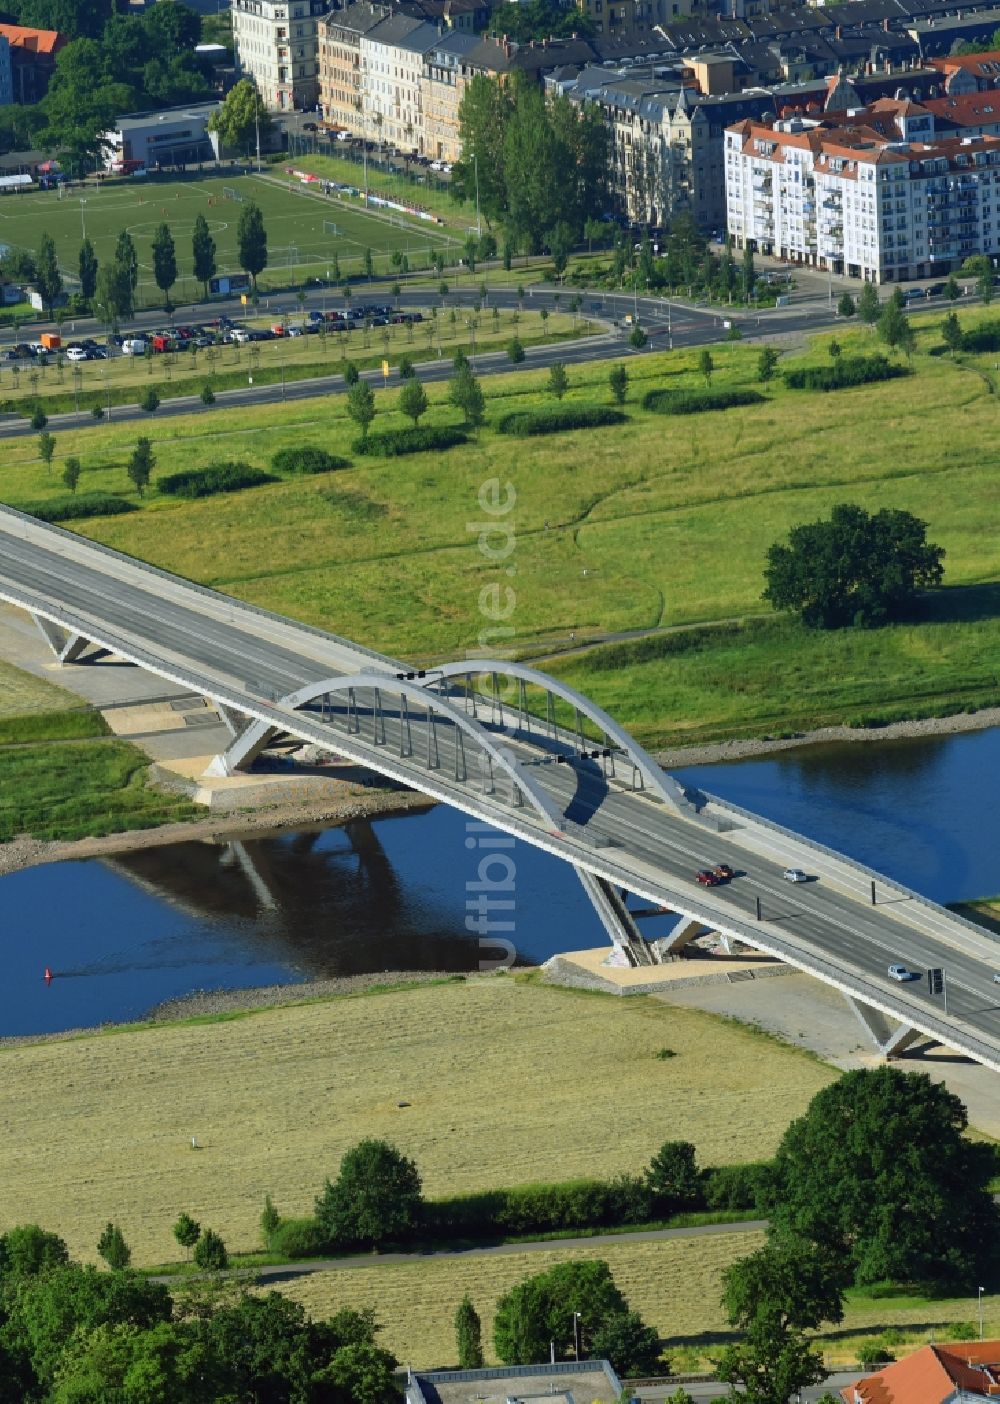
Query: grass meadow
294 216
491 1069
660 523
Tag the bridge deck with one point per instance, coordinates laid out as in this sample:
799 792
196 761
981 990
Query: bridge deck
249 659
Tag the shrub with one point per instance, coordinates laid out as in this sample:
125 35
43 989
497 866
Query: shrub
213 478
555 418
210 1252
207 395
306 458
298 1238
149 400
85 504
872 1353
982 338
422 438
542 1208
843 373
738 1187
698 401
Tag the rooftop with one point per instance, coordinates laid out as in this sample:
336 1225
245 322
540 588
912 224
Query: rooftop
931 1376
591 1380
38 41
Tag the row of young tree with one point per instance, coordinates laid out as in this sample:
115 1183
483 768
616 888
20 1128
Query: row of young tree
72 1334
109 289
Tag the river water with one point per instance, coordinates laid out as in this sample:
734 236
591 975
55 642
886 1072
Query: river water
120 935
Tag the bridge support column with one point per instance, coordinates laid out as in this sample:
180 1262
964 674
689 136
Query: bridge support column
617 919
683 934
66 646
890 1040
255 737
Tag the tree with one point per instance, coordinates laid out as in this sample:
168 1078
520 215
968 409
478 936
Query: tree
240 115
406 368
210 1252
706 365
980 268
413 399
48 279
834 349
112 295
468 1336
869 306
251 239
203 253
674 1176
71 473
112 1247
270 1221
39 418
767 364
558 379
164 260
749 273
88 269
141 463
951 332
855 568
564 1305
847 307
376 1196
149 400
560 241
28 1249
466 394
774 1296
207 395
81 103
46 448
618 381
515 351
892 325
361 408
186 1230
127 260
351 373
878 1173
951 289
632 1347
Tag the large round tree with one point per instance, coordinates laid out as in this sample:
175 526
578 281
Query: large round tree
374 1200
880 1172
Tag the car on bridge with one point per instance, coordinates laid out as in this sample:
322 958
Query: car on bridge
707 877
723 872
795 875
902 974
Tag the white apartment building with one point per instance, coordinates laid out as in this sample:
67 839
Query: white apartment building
839 193
391 73
276 43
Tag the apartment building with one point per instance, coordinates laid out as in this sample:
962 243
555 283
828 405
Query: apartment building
339 58
276 44
850 193
445 77
391 72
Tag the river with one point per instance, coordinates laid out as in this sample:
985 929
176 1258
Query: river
123 934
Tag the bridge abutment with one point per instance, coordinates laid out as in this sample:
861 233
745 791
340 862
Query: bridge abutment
891 1040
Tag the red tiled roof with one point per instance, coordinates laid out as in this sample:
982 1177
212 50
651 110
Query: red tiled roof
39 41
931 1375
972 63
968 110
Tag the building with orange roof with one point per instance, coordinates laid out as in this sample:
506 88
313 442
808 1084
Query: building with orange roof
969 73
874 193
957 1373
32 59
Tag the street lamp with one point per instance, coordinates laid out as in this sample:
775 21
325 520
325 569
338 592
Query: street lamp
83 222
981 1291
576 1336
479 222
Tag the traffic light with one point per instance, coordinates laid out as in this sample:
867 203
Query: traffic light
935 979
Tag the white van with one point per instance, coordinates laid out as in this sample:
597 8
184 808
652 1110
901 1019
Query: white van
134 346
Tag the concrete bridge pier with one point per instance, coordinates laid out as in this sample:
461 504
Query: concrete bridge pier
67 646
616 919
891 1040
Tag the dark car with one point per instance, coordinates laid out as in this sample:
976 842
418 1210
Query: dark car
309 126
204 340
96 353
315 316
723 872
937 289
707 878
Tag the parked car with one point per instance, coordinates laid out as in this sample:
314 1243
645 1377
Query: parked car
76 353
134 346
707 878
795 875
309 126
241 336
96 353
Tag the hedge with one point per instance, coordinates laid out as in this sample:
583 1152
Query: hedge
736 1187
298 1238
88 504
523 1209
556 418
982 338
697 401
842 373
307 459
215 477
421 438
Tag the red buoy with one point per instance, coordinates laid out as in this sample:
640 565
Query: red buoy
48 976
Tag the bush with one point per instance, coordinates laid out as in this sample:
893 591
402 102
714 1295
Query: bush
298 1238
698 401
307 459
982 338
555 418
86 504
872 1353
215 477
421 438
542 1208
843 373
738 1187
149 400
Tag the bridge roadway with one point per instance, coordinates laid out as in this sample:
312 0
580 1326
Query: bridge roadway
247 660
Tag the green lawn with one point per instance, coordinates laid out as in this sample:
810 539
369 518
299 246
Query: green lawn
294 217
664 521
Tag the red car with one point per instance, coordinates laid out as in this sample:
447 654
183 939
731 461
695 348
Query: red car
707 878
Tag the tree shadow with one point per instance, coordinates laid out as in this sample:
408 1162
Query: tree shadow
959 604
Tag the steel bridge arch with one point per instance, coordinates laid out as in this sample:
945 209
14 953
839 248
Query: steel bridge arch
256 736
654 778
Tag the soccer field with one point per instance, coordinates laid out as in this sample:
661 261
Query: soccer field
305 228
